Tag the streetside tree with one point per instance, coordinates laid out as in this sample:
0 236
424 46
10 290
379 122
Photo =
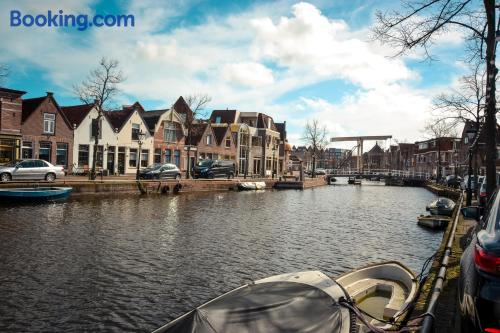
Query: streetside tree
197 103
315 136
420 22
99 88
438 130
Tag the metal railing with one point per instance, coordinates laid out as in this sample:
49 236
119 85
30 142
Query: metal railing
381 172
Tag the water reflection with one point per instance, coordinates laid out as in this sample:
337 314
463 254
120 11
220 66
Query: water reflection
132 263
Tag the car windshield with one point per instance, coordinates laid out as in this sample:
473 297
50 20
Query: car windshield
154 166
204 163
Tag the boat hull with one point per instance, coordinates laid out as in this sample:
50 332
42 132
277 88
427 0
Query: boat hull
251 186
433 221
35 194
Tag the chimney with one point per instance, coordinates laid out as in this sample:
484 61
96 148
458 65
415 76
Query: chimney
50 94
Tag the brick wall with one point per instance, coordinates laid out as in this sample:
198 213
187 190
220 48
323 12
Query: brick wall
32 130
214 148
10 115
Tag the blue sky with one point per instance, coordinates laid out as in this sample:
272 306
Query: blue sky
294 60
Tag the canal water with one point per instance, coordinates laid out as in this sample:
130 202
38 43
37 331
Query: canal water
131 263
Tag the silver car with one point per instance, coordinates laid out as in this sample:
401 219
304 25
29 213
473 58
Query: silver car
30 169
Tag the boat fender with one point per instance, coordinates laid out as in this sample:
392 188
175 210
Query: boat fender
177 188
165 189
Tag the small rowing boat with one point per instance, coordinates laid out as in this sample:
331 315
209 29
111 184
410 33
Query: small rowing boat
34 194
251 186
433 221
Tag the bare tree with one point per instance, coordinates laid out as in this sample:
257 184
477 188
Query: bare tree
418 25
197 103
99 89
315 136
465 103
438 130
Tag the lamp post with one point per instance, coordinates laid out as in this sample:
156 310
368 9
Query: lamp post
274 157
471 134
140 137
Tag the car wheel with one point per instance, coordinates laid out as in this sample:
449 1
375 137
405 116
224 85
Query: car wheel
5 177
210 176
50 177
177 177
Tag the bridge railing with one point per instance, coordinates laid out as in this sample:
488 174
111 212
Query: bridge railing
381 172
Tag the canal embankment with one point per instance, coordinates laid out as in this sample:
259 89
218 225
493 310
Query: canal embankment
454 241
165 186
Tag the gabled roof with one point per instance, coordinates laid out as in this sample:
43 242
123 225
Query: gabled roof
30 105
376 150
226 116
151 118
219 133
181 107
118 118
76 113
197 131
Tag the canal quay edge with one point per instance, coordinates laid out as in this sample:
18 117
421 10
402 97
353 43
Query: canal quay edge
445 317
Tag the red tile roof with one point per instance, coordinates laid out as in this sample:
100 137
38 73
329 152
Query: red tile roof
118 118
76 113
30 105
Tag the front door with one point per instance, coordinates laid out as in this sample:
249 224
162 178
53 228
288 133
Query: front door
111 161
121 163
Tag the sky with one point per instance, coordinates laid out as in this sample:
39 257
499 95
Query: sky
295 61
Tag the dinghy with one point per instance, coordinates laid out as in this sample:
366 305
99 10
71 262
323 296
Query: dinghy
441 206
433 221
386 291
297 302
34 194
251 186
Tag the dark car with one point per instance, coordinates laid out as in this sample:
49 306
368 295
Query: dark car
214 168
453 181
479 281
160 171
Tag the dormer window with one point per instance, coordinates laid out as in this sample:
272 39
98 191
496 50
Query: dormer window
218 120
49 122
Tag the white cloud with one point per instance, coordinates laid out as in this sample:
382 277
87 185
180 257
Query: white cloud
251 74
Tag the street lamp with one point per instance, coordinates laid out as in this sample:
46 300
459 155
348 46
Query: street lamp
273 166
140 138
471 134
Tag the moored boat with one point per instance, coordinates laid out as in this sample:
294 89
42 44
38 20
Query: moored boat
249 186
34 194
297 302
433 221
354 181
385 291
441 206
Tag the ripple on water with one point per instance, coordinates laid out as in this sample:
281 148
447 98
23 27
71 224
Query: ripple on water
132 263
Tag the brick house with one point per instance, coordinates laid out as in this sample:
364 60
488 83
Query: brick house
10 124
47 132
426 156
374 158
214 142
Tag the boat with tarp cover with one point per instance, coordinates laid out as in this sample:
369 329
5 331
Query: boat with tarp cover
308 302
34 194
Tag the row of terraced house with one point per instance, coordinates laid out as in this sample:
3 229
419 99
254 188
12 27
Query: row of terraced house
65 135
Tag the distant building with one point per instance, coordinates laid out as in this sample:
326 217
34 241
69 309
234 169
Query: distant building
426 156
10 124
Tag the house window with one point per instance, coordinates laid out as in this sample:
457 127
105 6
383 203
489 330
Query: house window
27 149
62 154
96 127
144 158
209 156
45 151
170 132
83 155
132 158
209 139
218 120
228 142
202 156
177 158
168 156
136 128
49 121
98 161
157 155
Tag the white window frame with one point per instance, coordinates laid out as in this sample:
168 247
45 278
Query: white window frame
49 123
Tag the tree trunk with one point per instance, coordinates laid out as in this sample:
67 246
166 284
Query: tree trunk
96 144
490 121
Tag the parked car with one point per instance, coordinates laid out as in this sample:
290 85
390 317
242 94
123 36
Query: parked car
479 280
30 170
214 168
160 171
453 181
320 171
482 195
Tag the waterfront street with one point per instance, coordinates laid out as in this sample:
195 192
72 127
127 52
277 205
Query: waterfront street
131 263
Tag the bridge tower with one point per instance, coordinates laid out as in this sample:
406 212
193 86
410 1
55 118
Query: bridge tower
360 140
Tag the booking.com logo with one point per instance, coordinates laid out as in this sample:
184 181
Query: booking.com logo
81 22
